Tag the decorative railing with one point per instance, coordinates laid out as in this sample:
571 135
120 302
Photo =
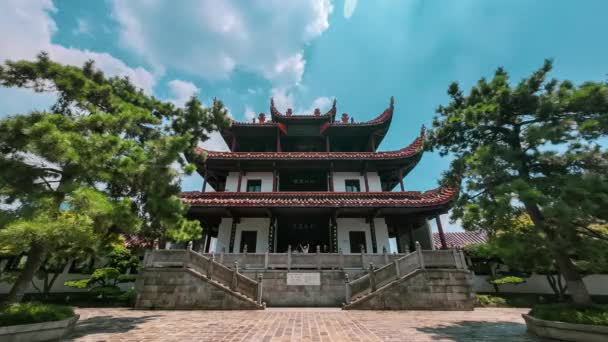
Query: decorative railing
208 267
315 260
406 264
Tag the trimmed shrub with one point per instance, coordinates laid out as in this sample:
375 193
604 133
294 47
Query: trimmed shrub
26 313
490 301
596 315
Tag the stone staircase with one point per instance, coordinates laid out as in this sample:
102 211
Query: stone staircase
184 279
422 280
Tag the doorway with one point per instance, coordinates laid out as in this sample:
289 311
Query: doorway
249 238
301 231
357 242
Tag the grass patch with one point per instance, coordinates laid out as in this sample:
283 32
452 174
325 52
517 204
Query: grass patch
597 315
26 313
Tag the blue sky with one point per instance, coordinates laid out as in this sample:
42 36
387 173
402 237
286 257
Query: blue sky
304 53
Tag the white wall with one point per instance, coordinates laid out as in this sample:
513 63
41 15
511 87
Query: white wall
346 225
247 223
232 181
258 224
597 284
373 180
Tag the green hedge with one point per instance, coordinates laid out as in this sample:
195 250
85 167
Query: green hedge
597 315
26 313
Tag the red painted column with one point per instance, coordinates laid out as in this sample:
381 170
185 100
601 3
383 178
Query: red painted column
331 177
233 144
373 143
327 146
366 182
274 179
279 141
441 234
204 183
238 185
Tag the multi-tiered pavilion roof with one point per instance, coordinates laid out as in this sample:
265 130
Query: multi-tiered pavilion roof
288 141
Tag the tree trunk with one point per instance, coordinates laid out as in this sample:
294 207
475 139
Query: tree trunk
35 258
574 281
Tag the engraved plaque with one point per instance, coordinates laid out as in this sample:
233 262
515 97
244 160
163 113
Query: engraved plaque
302 279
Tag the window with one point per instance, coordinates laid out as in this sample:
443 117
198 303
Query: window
254 185
352 185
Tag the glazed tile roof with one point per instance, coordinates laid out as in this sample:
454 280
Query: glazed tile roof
460 239
408 199
414 149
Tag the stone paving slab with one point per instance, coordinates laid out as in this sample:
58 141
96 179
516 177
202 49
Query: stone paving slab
300 324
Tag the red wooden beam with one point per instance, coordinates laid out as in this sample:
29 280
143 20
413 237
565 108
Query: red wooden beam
444 245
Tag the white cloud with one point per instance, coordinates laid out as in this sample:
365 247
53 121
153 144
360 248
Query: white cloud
82 27
27 29
446 224
213 38
349 8
18 101
182 91
284 99
249 114
215 143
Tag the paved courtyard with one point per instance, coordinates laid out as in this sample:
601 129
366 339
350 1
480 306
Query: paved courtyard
300 324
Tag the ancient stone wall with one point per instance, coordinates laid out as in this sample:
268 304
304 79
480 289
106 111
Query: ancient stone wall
435 289
180 288
277 293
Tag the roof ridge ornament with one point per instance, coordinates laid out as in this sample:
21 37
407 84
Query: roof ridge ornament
422 131
273 110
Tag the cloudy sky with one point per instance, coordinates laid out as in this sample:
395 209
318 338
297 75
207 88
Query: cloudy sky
306 52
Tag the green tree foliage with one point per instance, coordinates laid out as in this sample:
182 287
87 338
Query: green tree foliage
530 149
99 163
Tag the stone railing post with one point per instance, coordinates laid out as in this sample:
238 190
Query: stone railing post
456 258
189 247
362 258
222 255
318 257
397 270
187 258
347 288
372 277
463 260
385 253
288 257
407 249
341 257
260 278
210 266
420 256
147 260
266 259
235 278
245 249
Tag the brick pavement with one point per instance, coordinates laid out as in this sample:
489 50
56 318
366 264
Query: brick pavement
300 324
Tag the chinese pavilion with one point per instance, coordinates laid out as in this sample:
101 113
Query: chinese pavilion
299 181
302 213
